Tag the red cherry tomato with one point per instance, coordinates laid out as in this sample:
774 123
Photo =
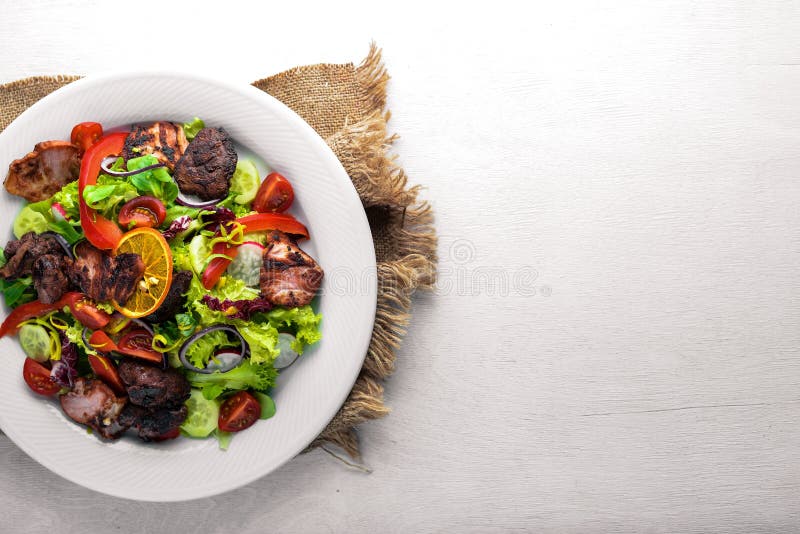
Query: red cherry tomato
139 344
89 315
105 370
238 412
142 211
37 376
86 134
275 194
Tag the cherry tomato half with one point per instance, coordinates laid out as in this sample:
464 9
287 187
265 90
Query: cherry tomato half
142 211
100 341
37 376
89 315
86 134
105 370
275 194
139 344
238 412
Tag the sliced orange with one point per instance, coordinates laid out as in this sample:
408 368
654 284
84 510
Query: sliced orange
157 257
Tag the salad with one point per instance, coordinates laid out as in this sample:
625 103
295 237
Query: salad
156 282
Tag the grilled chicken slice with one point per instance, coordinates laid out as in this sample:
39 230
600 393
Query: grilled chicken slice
151 387
164 140
205 170
289 276
22 253
43 172
91 402
50 277
103 277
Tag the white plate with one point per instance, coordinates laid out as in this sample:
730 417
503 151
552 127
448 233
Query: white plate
308 394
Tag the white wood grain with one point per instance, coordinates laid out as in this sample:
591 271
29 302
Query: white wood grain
641 158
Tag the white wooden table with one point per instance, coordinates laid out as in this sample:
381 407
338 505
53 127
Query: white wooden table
615 342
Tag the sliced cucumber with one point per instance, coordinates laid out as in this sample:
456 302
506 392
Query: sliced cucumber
36 342
246 266
199 253
202 416
245 181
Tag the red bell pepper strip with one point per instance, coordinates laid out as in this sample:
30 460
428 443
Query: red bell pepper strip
101 232
100 341
20 314
252 223
273 221
105 370
218 265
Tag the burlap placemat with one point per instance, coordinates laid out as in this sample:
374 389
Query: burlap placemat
346 105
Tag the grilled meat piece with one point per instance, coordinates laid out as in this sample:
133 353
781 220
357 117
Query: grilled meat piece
91 402
41 173
103 277
174 299
50 278
21 253
207 165
153 424
289 276
164 140
151 387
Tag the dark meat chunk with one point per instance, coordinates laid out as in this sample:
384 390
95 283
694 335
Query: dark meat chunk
151 425
174 299
128 270
92 403
289 276
164 140
50 277
103 277
43 172
207 165
152 387
21 254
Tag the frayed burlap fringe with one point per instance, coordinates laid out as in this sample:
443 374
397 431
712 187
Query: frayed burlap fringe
346 105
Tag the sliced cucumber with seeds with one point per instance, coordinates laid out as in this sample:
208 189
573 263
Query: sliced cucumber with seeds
245 181
36 342
202 416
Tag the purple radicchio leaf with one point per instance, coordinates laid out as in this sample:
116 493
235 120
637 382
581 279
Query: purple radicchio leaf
237 309
178 225
213 220
64 371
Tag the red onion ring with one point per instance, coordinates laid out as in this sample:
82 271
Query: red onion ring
184 200
227 366
105 166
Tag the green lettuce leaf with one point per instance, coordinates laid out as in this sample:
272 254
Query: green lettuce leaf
302 321
193 127
155 182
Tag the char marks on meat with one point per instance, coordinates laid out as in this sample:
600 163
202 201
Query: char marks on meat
103 277
22 253
91 402
164 140
151 425
151 387
43 172
174 299
206 168
289 276
49 277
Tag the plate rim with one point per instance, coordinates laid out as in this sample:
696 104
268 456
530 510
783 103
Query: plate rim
310 136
